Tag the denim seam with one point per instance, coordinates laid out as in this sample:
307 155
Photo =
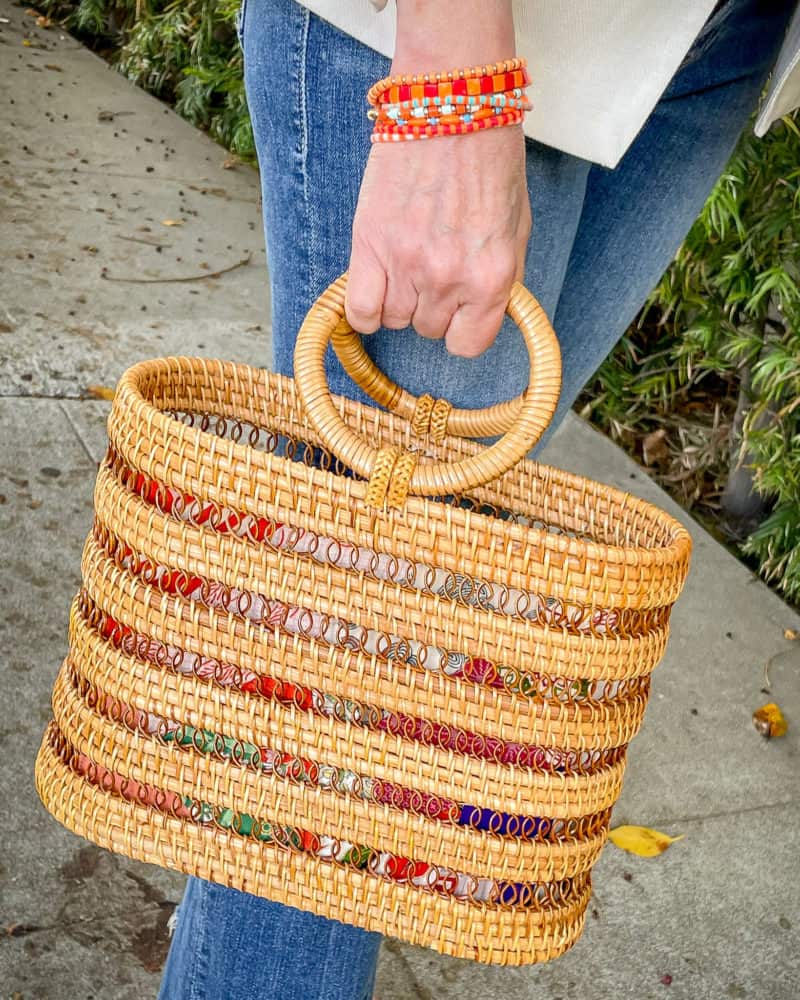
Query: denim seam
241 14
302 84
200 967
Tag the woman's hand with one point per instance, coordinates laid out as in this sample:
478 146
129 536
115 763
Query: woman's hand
442 225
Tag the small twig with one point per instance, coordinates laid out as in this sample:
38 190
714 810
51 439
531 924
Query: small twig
147 243
767 665
191 277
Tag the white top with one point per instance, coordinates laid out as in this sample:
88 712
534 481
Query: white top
598 67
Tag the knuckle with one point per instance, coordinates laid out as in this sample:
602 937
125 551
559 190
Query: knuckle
504 272
493 282
440 271
489 276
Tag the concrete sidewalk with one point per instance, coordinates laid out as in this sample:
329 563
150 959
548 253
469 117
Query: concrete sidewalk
90 170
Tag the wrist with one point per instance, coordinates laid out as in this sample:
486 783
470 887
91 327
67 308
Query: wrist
428 38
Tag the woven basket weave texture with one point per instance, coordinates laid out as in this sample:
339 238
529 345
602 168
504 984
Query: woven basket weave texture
412 718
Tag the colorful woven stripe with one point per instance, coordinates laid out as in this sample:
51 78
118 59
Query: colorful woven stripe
469 591
439 879
329 706
295 620
343 781
273 614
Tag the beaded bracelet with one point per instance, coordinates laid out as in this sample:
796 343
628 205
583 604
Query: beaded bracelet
449 77
460 100
453 102
486 84
428 108
438 119
402 132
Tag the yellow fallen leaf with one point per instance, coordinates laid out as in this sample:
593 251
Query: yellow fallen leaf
791 634
769 720
172 222
641 840
100 391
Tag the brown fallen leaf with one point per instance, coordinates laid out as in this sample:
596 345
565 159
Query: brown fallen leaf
100 391
172 222
791 634
654 447
769 721
641 840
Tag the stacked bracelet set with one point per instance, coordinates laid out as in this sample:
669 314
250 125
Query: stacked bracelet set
449 103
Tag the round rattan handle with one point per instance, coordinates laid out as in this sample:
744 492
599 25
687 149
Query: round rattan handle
473 423
538 402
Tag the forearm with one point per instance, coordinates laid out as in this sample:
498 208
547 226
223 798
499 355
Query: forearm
441 227
432 35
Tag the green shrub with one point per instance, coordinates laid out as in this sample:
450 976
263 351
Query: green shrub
727 311
184 51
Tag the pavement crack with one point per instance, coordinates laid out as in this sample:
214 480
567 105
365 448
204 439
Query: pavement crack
396 948
723 813
77 433
37 395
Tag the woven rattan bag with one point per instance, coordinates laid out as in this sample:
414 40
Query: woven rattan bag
349 660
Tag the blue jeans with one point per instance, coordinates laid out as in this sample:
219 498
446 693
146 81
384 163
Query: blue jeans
601 240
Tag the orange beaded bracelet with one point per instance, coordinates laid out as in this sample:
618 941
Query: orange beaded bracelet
404 132
452 102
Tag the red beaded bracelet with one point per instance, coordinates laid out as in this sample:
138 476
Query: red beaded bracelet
495 83
446 76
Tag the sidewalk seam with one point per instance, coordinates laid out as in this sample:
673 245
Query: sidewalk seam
769 806
77 433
